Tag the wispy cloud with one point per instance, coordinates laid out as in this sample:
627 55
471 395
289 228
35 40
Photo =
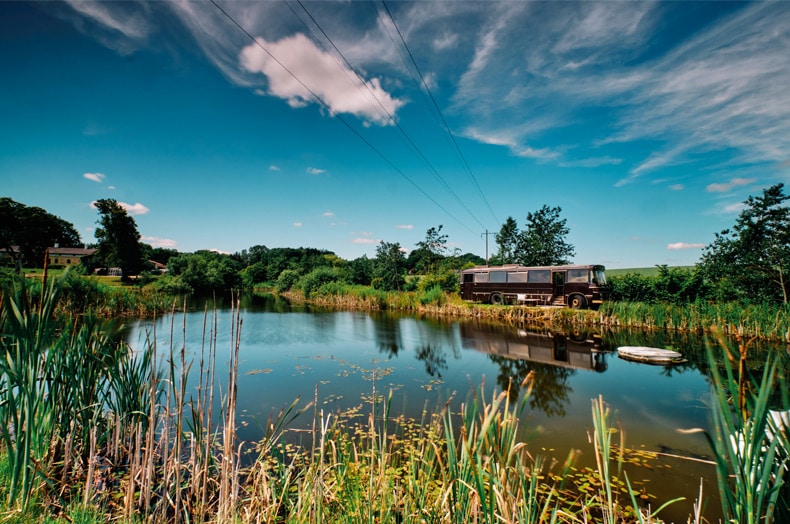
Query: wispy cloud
737 207
315 171
297 224
364 240
405 226
677 187
328 214
121 26
274 168
722 88
729 186
96 177
160 242
684 245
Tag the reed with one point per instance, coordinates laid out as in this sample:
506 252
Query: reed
749 447
132 442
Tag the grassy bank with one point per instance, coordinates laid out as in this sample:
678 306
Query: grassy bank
765 322
90 432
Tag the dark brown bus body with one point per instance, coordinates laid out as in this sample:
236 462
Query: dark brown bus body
576 286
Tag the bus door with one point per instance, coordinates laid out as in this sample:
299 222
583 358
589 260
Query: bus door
558 279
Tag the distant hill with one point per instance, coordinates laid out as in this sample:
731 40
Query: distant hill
647 271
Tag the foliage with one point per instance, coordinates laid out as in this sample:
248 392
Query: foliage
361 271
446 280
668 285
430 251
118 239
508 240
542 243
750 261
750 449
205 271
287 280
389 267
32 230
315 279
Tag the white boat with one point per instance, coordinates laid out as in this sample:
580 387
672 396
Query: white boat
650 355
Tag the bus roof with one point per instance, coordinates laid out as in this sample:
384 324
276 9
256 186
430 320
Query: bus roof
518 267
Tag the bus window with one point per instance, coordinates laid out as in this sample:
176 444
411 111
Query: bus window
469 277
521 276
497 276
540 276
481 277
578 275
599 277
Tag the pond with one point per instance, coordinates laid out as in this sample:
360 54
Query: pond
341 356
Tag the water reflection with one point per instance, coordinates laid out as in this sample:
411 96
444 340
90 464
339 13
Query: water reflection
552 355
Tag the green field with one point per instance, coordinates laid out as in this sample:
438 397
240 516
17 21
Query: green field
646 271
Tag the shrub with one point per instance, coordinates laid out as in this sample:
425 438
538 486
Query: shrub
287 279
310 282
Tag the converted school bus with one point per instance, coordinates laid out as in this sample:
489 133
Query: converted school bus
576 286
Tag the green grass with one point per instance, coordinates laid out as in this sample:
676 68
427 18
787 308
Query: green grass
645 271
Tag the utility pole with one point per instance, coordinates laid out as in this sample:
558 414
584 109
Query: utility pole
486 235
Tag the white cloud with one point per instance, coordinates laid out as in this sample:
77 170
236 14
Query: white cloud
361 240
274 168
297 224
298 72
219 251
315 171
96 177
728 186
134 209
404 226
677 187
328 214
685 245
159 242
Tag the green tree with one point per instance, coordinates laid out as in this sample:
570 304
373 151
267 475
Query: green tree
118 238
750 261
205 270
32 230
389 266
508 241
430 251
543 242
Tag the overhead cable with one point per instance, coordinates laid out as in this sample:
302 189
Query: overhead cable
439 111
326 106
389 115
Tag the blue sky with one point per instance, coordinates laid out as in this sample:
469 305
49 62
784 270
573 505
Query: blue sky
648 123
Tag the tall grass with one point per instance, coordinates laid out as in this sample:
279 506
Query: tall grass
125 438
749 446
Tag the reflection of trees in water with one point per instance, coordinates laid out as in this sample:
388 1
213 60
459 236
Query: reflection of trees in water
434 358
550 391
387 335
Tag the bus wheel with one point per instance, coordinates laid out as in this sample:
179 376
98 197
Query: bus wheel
577 302
496 299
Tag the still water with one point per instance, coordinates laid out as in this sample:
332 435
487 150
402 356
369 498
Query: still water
287 353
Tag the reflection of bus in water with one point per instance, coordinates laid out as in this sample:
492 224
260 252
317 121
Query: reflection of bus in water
573 285
579 350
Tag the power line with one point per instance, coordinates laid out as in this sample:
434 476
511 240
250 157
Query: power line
389 115
326 106
439 111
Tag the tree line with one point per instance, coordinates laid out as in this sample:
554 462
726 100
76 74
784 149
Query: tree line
747 262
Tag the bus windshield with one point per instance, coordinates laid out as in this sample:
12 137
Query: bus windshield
599 277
